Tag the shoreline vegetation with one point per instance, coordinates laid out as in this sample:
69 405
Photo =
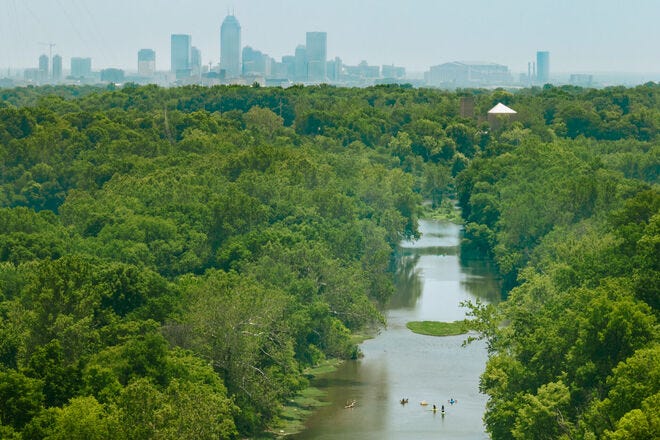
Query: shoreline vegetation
298 409
438 328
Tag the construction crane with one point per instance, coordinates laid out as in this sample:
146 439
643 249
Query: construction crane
50 50
50 57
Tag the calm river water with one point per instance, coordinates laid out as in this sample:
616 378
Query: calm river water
431 282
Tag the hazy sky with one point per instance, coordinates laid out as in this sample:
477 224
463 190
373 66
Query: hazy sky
581 35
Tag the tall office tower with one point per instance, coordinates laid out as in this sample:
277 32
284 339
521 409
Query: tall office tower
334 68
195 61
57 68
316 56
181 55
301 63
289 66
543 67
81 67
43 67
146 62
230 47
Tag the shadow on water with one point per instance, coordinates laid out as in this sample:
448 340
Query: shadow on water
407 282
480 279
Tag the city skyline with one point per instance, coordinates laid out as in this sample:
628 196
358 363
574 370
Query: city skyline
582 37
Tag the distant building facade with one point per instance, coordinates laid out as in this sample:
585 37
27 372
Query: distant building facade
57 68
146 63
181 48
114 76
255 62
317 55
392 71
43 67
334 69
361 72
230 47
32 75
543 67
81 67
301 63
195 61
463 74
289 66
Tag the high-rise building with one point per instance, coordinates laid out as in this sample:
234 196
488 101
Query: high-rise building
146 62
195 61
230 47
43 67
543 67
57 68
81 67
317 45
181 48
301 63
334 69
289 66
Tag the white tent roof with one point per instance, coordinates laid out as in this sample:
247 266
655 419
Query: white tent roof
501 109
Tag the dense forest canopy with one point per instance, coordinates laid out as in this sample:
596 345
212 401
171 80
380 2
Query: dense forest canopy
171 260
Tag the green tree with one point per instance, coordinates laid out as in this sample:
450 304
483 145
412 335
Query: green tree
83 419
22 398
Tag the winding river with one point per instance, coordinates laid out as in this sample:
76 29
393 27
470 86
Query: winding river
432 280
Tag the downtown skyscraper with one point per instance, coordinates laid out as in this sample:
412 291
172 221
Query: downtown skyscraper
230 47
543 67
146 62
56 73
317 53
181 53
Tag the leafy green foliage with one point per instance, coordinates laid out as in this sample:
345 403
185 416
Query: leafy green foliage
139 221
171 260
574 233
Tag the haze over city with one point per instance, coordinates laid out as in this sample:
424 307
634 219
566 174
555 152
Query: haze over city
583 36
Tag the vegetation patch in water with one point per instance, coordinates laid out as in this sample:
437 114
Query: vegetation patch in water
437 328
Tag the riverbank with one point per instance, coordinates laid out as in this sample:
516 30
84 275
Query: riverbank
431 281
302 405
298 409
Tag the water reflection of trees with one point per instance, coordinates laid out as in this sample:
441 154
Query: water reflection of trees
481 280
407 281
